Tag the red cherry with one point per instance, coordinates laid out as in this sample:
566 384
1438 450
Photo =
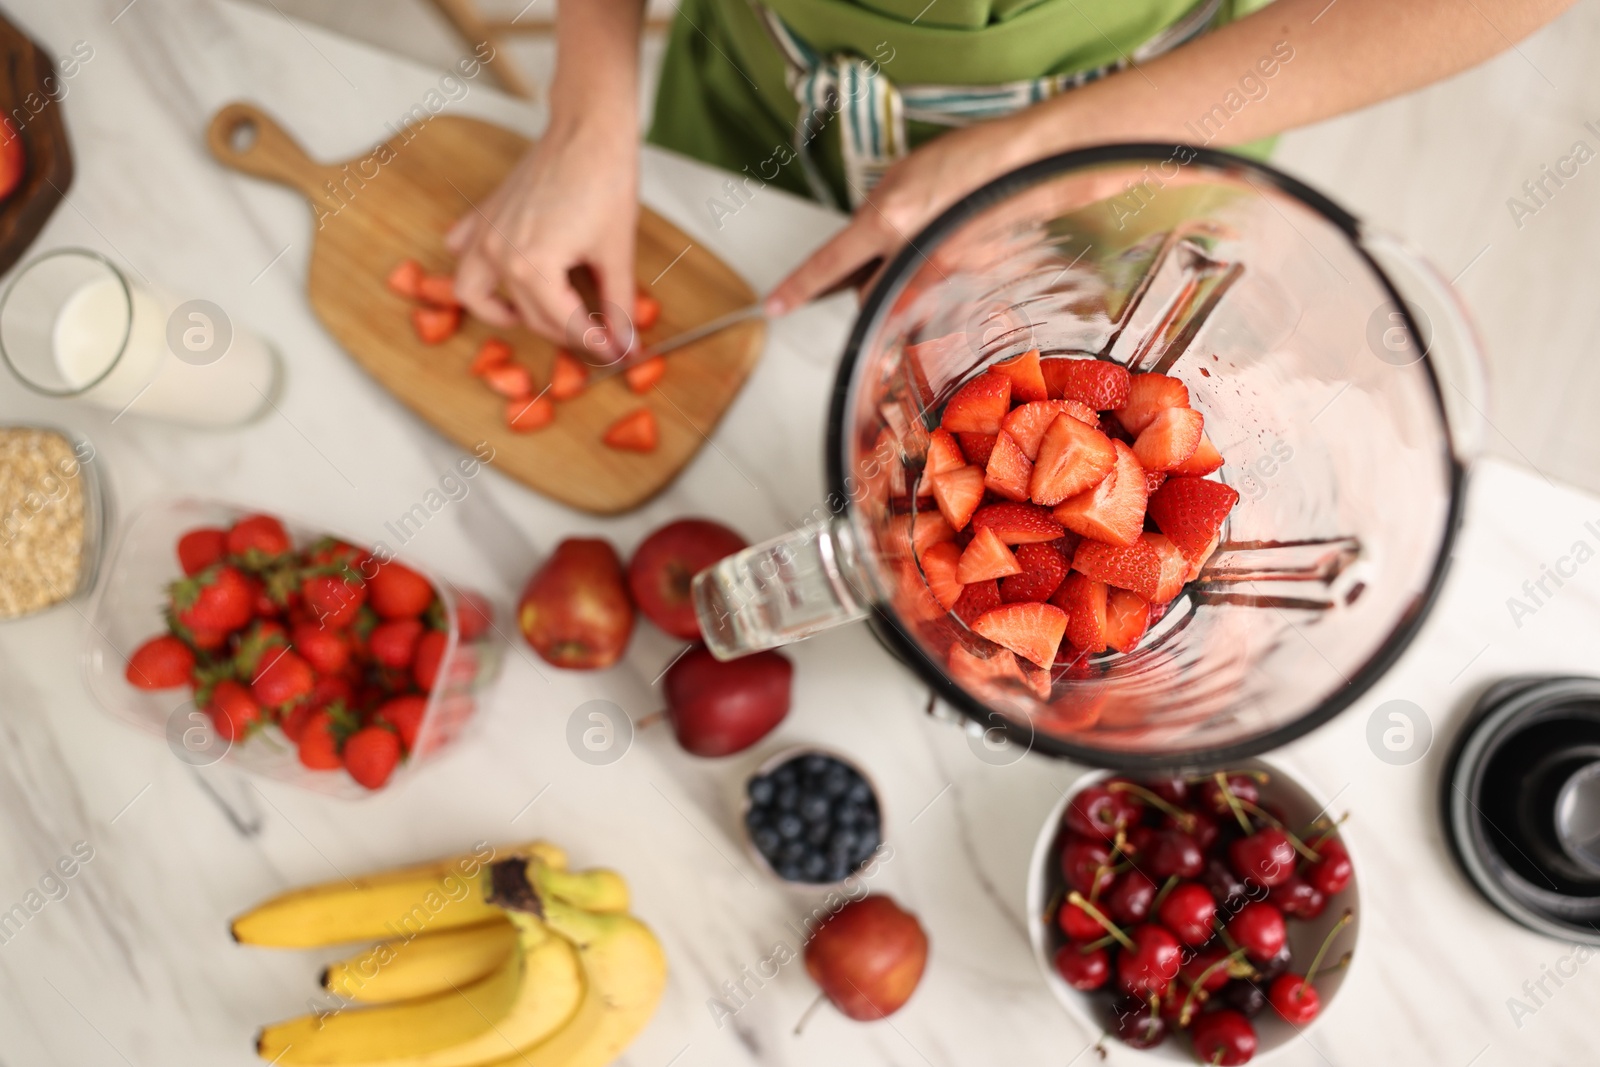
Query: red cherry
1227 888
1083 970
1266 856
1242 786
1130 897
1171 852
1224 1038
1332 872
1086 865
1201 962
1298 898
1258 929
1097 811
1174 790
1136 1025
1198 825
1151 964
1295 999
1079 924
1188 911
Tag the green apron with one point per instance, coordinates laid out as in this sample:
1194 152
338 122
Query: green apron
724 95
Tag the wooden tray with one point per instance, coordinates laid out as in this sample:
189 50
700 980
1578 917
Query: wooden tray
397 201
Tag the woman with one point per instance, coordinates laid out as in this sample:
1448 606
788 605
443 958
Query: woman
897 108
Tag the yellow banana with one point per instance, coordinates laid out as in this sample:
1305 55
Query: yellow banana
423 966
598 890
428 897
355 1035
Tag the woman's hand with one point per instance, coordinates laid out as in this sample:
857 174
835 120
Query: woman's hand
571 201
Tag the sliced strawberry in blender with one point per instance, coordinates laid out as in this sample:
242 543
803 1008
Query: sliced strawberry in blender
1174 567
1032 631
958 494
1201 558
981 672
939 566
1191 511
1084 601
1170 439
929 528
985 558
1153 480
1008 471
943 454
1136 567
1112 511
1028 422
1100 384
979 405
1206 459
1148 396
1072 457
1127 618
1018 524
977 447
976 599
1043 569
1027 383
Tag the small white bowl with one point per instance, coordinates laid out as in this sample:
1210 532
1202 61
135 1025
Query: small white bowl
1299 806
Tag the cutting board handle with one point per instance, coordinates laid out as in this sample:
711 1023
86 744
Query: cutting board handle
244 137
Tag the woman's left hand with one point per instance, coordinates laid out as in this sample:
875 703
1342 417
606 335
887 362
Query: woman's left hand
911 194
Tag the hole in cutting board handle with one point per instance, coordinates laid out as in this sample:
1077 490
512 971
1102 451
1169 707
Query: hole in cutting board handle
242 136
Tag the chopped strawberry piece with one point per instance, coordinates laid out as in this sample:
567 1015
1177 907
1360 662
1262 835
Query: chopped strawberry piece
980 673
438 290
976 599
435 325
642 377
405 278
1148 395
1032 631
568 376
1170 439
939 564
1008 471
1191 511
1072 457
979 406
1112 511
1018 524
977 447
1084 601
634 432
646 311
1201 558
1026 381
985 558
1099 383
927 529
1136 567
1153 480
510 380
1127 618
1174 567
525 415
1028 422
492 353
958 494
1043 568
1206 459
943 454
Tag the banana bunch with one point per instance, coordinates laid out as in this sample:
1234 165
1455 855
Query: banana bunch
498 958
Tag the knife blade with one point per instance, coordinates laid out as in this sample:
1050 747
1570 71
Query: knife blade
676 341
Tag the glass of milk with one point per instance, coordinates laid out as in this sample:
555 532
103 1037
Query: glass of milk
73 325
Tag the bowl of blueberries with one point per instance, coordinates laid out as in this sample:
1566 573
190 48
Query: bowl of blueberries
811 817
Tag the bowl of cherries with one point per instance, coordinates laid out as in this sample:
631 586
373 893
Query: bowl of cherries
1206 917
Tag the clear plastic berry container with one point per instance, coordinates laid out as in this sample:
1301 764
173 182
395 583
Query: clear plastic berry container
127 609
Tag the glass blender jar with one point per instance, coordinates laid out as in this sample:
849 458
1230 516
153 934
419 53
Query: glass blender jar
1345 412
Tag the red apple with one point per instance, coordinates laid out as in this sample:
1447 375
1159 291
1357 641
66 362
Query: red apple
717 708
868 957
575 611
666 562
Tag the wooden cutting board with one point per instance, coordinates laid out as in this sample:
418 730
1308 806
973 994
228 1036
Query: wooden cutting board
397 201
32 94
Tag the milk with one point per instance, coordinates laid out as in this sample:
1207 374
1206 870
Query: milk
147 377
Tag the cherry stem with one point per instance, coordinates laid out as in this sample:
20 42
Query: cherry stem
1299 846
1187 1011
1221 778
1258 777
1161 894
1328 830
1099 916
646 721
810 1010
1184 819
1104 942
1316 961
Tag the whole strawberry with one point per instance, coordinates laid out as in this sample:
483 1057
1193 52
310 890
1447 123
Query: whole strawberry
370 755
233 710
398 592
201 547
257 539
394 643
220 599
161 663
429 654
281 679
318 742
405 715
333 599
326 650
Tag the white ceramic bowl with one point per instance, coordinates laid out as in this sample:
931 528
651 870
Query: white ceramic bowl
1299 806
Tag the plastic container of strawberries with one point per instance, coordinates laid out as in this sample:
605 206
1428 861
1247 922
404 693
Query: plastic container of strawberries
128 608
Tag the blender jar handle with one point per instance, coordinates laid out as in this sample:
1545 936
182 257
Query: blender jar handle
1450 341
781 591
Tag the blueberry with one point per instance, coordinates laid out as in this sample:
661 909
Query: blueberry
836 781
760 790
813 867
789 872
814 808
792 852
787 797
789 826
787 774
766 841
859 792
838 870
842 857
814 763
846 814
756 818
818 834
844 840
867 845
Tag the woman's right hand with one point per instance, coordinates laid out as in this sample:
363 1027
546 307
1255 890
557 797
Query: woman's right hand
571 201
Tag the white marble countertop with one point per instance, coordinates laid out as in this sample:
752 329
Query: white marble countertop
135 965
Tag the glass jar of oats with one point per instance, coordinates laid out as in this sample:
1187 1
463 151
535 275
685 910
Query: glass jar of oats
52 518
